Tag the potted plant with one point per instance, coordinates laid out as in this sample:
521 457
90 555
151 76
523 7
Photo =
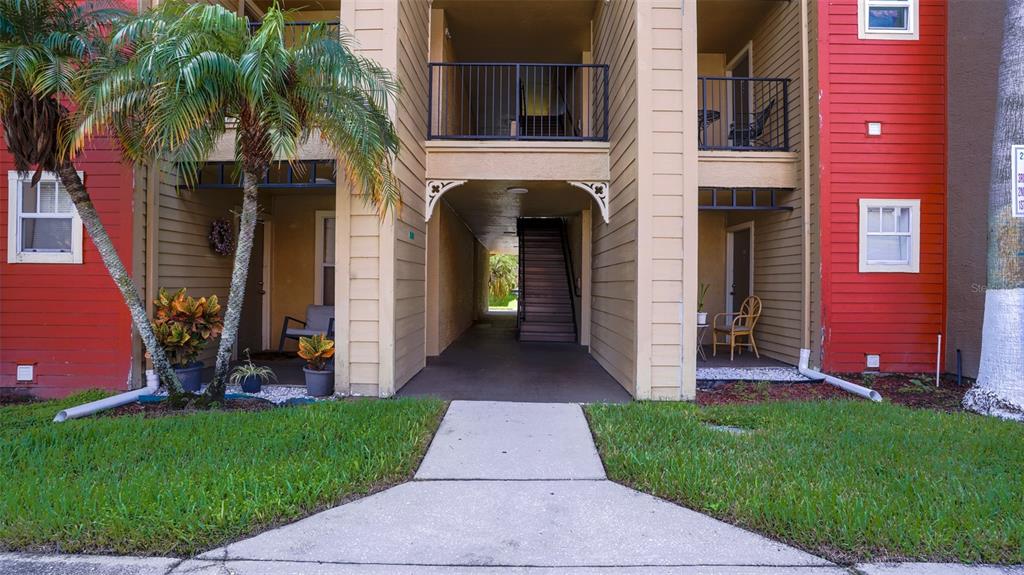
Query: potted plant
183 326
702 316
317 350
251 377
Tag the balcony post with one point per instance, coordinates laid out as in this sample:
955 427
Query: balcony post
519 127
785 114
431 116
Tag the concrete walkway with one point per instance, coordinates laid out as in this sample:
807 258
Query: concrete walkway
505 488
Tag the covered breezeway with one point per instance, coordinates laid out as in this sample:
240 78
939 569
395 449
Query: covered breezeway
538 349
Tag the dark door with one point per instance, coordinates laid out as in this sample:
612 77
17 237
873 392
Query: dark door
740 288
741 95
250 325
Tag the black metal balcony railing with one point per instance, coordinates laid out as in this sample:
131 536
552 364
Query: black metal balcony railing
518 101
743 114
294 32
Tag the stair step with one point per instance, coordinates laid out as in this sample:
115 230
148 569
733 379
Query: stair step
537 327
552 317
548 338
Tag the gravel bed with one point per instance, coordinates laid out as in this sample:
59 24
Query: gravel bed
276 394
750 374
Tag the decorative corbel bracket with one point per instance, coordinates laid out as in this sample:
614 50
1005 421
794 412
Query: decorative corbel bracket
436 189
597 190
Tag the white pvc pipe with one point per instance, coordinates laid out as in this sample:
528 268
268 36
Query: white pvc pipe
938 360
152 384
805 355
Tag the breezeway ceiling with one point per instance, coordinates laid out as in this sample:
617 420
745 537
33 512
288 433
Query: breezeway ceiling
553 31
725 26
491 212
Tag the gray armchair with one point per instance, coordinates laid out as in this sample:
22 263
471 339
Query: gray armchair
319 319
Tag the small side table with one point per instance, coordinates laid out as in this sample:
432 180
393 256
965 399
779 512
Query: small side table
702 328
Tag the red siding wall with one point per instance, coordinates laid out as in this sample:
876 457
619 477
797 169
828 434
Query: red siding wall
903 85
69 319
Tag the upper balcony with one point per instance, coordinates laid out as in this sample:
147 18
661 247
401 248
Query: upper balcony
749 105
743 114
514 93
518 101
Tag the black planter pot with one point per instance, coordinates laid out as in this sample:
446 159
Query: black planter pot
252 384
319 383
191 377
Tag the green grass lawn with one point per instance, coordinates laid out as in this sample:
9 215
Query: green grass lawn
178 485
847 479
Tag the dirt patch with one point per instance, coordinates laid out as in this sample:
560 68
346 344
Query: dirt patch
161 409
911 390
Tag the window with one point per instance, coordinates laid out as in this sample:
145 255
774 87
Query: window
324 258
887 19
890 235
43 225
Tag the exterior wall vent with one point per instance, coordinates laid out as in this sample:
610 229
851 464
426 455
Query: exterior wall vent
26 373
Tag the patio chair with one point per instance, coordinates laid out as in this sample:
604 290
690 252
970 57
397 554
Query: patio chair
742 325
745 136
319 319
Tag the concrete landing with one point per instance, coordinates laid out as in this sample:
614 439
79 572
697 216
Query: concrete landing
499 440
487 363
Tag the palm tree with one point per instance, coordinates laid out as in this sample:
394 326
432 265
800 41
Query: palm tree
504 275
1000 387
44 46
180 75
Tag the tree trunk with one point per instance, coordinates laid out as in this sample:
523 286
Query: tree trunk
999 390
108 253
239 275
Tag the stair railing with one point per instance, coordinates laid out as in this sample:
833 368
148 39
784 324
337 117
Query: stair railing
521 304
569 273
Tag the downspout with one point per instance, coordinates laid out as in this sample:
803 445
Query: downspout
805 149
853 388
152 384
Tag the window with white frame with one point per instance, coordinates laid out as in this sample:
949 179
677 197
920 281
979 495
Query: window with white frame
890 235
324 251
43 225
887 19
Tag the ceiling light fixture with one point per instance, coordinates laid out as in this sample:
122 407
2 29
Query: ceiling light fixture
514 190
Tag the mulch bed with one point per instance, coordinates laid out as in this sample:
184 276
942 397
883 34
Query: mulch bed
911 390
16 398
161 409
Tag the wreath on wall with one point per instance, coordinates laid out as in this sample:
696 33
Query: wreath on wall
222 236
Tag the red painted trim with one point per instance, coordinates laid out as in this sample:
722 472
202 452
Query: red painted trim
825 176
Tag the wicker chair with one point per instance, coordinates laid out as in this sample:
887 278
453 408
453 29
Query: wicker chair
742 325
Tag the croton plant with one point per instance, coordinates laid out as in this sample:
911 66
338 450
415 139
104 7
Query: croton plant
316 350
184 325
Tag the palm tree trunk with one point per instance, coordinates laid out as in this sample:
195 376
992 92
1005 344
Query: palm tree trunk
999 389
239 276
108 253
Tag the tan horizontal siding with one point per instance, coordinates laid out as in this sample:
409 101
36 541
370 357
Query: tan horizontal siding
613 321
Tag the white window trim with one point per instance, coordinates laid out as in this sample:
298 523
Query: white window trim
864 32
318 255
14 253
915 235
